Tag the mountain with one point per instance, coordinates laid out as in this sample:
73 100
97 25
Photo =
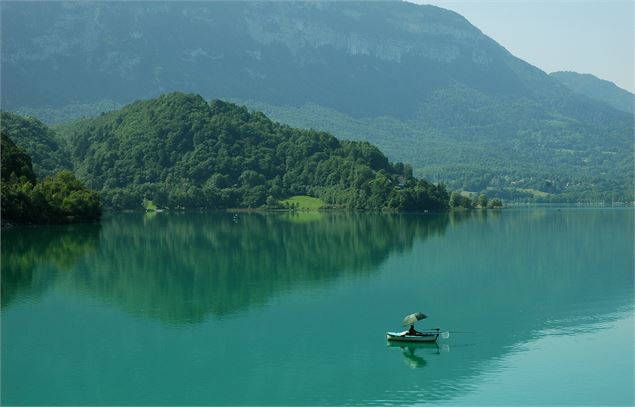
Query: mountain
180 151
597 89
420 82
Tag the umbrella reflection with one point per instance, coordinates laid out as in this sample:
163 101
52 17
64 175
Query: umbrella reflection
413 360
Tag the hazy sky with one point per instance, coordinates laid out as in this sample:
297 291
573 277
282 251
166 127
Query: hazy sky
586 36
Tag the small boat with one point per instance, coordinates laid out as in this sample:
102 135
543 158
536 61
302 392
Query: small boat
404 337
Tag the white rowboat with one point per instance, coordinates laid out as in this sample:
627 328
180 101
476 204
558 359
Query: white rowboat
404 337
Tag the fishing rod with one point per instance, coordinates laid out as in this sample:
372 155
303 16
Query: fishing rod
431 330
454 332
444 334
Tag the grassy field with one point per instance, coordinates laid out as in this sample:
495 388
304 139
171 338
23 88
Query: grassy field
305 203
149 205
535 192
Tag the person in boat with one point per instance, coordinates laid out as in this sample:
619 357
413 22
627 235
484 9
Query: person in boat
413 332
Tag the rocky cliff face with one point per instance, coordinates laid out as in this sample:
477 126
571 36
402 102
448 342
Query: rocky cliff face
365 59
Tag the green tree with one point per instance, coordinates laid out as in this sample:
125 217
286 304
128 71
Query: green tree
58 199
482 201
495 203
457 200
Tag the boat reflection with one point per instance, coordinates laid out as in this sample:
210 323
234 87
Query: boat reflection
413 352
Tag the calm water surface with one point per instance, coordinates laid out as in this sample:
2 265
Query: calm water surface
292 309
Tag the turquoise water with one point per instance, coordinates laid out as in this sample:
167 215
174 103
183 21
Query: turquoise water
185 309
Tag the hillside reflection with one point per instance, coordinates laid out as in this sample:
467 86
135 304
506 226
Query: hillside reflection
179 268
32 257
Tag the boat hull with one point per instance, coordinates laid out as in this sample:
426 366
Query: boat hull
402 337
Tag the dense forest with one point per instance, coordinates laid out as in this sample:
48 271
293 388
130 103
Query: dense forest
181 152
60 198
540 156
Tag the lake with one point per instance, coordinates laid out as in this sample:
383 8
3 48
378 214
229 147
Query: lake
282 308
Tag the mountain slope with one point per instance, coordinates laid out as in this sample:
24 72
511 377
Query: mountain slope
275 52
420 82
597 89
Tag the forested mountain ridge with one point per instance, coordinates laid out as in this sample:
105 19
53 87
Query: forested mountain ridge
420 82
180 151
597 89
554 158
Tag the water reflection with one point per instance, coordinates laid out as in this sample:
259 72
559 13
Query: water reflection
413 352
180 268
413 360
32 257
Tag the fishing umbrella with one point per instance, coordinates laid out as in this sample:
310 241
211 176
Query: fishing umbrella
412 318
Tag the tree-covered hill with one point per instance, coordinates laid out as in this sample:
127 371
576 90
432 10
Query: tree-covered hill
179 151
